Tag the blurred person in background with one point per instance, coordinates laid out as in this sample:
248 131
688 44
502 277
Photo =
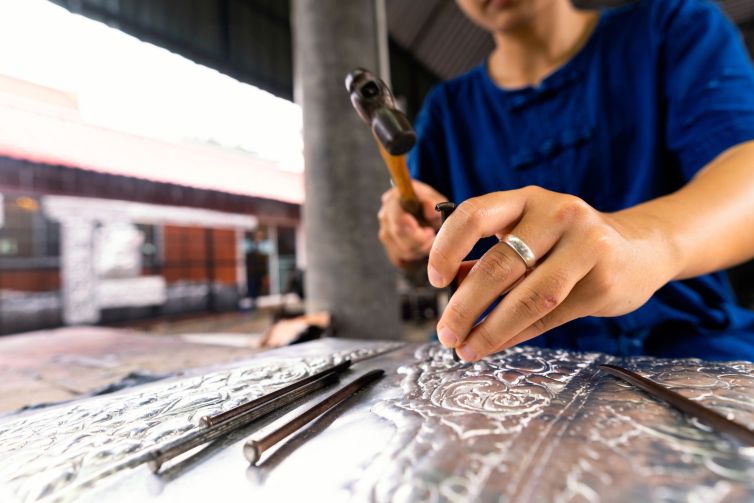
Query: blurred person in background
615 148
258 250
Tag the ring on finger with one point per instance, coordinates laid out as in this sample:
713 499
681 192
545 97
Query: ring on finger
522 249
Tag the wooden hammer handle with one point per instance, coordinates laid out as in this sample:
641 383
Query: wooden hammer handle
396 164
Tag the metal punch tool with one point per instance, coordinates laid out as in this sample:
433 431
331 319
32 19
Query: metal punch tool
220 424
253 449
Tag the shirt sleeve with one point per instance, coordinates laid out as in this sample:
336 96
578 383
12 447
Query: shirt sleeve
428 160
708 82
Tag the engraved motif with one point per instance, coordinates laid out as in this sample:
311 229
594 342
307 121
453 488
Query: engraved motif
456 423
543 425
675 458
524 425
54 453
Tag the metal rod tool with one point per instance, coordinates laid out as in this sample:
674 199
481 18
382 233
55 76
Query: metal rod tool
238 417
235 411
680 402
446 209
253 449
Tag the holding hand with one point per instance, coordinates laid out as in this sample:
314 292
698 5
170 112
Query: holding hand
588 263
404 239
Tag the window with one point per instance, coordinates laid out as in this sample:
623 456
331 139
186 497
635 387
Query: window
25 232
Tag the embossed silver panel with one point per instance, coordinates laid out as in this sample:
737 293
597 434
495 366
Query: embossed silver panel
525 425
54 453
533 425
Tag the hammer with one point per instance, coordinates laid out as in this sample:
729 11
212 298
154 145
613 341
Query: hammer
375 104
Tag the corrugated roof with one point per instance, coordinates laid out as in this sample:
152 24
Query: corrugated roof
448 44
438 35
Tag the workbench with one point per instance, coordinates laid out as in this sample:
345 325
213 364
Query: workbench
524 425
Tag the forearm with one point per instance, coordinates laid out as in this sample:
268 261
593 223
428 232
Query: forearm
708 225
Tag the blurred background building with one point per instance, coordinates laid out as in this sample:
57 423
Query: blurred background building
135 183
151 157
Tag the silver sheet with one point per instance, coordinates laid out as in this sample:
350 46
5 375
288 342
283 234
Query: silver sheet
525 425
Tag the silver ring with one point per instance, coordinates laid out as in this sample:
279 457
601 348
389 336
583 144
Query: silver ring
521 249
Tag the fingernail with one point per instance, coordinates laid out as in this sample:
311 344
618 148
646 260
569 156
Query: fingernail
467 354
434 276
447 337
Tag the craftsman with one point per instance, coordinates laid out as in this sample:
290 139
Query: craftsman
611 151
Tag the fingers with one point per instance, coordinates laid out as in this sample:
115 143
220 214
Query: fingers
391 249
403 238
472 220
464 270
493 274
575 306
571 309
496 214
399 252
528 305
429 197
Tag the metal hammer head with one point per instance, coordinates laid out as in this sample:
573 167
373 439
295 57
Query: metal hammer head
375 104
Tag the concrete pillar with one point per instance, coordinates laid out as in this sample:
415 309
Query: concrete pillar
78 278
347 271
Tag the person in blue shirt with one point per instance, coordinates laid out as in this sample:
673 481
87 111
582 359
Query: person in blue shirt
604 166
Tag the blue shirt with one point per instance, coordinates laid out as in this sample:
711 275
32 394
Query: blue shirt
659 90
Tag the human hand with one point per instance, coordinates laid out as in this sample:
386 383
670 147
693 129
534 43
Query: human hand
590 264
403 238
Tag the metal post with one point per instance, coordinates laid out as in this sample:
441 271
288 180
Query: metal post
347 271
273 260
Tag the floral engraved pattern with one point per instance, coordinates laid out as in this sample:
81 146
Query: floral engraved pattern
457 423
52 454
524 425
547 425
